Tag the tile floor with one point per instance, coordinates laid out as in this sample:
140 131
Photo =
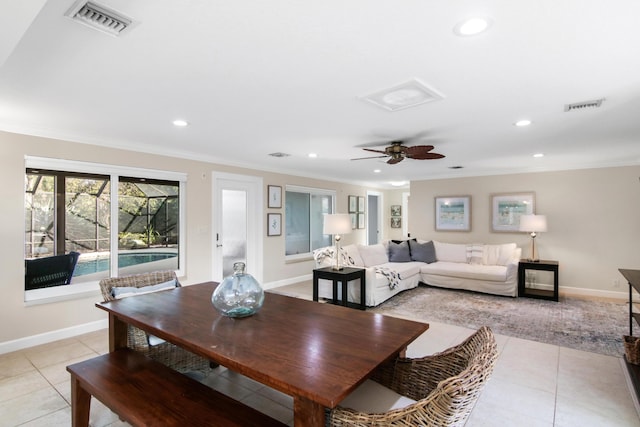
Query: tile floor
533 384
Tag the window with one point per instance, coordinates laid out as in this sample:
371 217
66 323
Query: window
119 220
304 210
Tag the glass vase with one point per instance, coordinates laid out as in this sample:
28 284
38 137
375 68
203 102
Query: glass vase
239 295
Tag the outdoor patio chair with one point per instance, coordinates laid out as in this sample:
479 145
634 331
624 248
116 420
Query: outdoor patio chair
49 271
441 389
153 347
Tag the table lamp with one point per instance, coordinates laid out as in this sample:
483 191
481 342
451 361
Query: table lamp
337 224
533 224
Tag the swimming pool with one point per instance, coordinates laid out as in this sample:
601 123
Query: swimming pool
96 265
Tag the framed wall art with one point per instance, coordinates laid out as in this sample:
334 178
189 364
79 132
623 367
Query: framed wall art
396 222
453 213
354 220
396 210
275 196
360 220
506 209
274 224
360 204
353 204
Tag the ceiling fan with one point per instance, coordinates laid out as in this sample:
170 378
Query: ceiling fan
397 152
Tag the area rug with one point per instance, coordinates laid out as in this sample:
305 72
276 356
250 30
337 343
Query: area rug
589 325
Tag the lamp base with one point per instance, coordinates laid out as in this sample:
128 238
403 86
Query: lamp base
337 267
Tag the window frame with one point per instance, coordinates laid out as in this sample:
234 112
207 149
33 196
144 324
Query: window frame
90 288
311 191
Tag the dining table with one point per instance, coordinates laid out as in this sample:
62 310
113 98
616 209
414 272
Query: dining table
316 353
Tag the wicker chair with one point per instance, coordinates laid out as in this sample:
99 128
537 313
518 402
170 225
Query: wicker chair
164 352
445 386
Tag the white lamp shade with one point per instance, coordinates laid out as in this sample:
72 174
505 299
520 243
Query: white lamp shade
337 224
533 223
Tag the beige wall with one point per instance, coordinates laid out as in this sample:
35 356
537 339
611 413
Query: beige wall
593 219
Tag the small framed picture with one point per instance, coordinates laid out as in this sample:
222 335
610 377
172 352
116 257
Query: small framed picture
396 222
396 210
274 224
275 196
353 204
361 204
360 220
354 220
453 213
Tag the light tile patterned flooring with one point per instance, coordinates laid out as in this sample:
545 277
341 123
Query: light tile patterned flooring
533 384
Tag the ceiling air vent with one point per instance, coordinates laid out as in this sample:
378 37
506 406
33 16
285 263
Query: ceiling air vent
596 103
279 155
405 95
99 17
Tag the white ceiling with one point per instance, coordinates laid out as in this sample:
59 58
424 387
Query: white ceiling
258 77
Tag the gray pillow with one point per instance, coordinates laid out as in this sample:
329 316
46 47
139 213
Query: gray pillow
424 252
399 252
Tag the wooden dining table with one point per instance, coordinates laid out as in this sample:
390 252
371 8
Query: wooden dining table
317 353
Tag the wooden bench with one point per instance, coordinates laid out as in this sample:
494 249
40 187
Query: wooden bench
144 392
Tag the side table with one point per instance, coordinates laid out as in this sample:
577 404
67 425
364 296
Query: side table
344 276
532 288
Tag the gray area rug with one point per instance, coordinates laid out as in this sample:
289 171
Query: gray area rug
589 325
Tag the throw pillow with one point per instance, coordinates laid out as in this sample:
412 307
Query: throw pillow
128 291
373 254
451 252
475 253
425 252
399 252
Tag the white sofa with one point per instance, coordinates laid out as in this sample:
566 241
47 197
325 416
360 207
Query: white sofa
478 267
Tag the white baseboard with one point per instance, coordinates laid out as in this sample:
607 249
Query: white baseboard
47 337
593 293
286 282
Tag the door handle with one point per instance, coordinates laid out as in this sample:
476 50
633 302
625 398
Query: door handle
218 246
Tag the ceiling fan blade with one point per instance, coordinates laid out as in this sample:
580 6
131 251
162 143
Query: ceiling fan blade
374 157
425 156
374 151
393 161
419 149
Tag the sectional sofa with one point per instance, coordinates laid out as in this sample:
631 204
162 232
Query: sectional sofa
395 266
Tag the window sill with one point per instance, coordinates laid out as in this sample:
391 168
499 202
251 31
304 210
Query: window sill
61 293
290 259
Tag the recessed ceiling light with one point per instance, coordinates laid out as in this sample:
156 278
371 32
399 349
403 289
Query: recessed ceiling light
377 171
312 155
522 123
537 155
180 123
398 183
472 26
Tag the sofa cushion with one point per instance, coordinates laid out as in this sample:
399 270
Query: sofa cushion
450 252
495 273
499 254
424 252
373 254
352 255
399 252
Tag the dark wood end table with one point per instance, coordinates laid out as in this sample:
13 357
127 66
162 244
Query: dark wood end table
344 276
534 292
